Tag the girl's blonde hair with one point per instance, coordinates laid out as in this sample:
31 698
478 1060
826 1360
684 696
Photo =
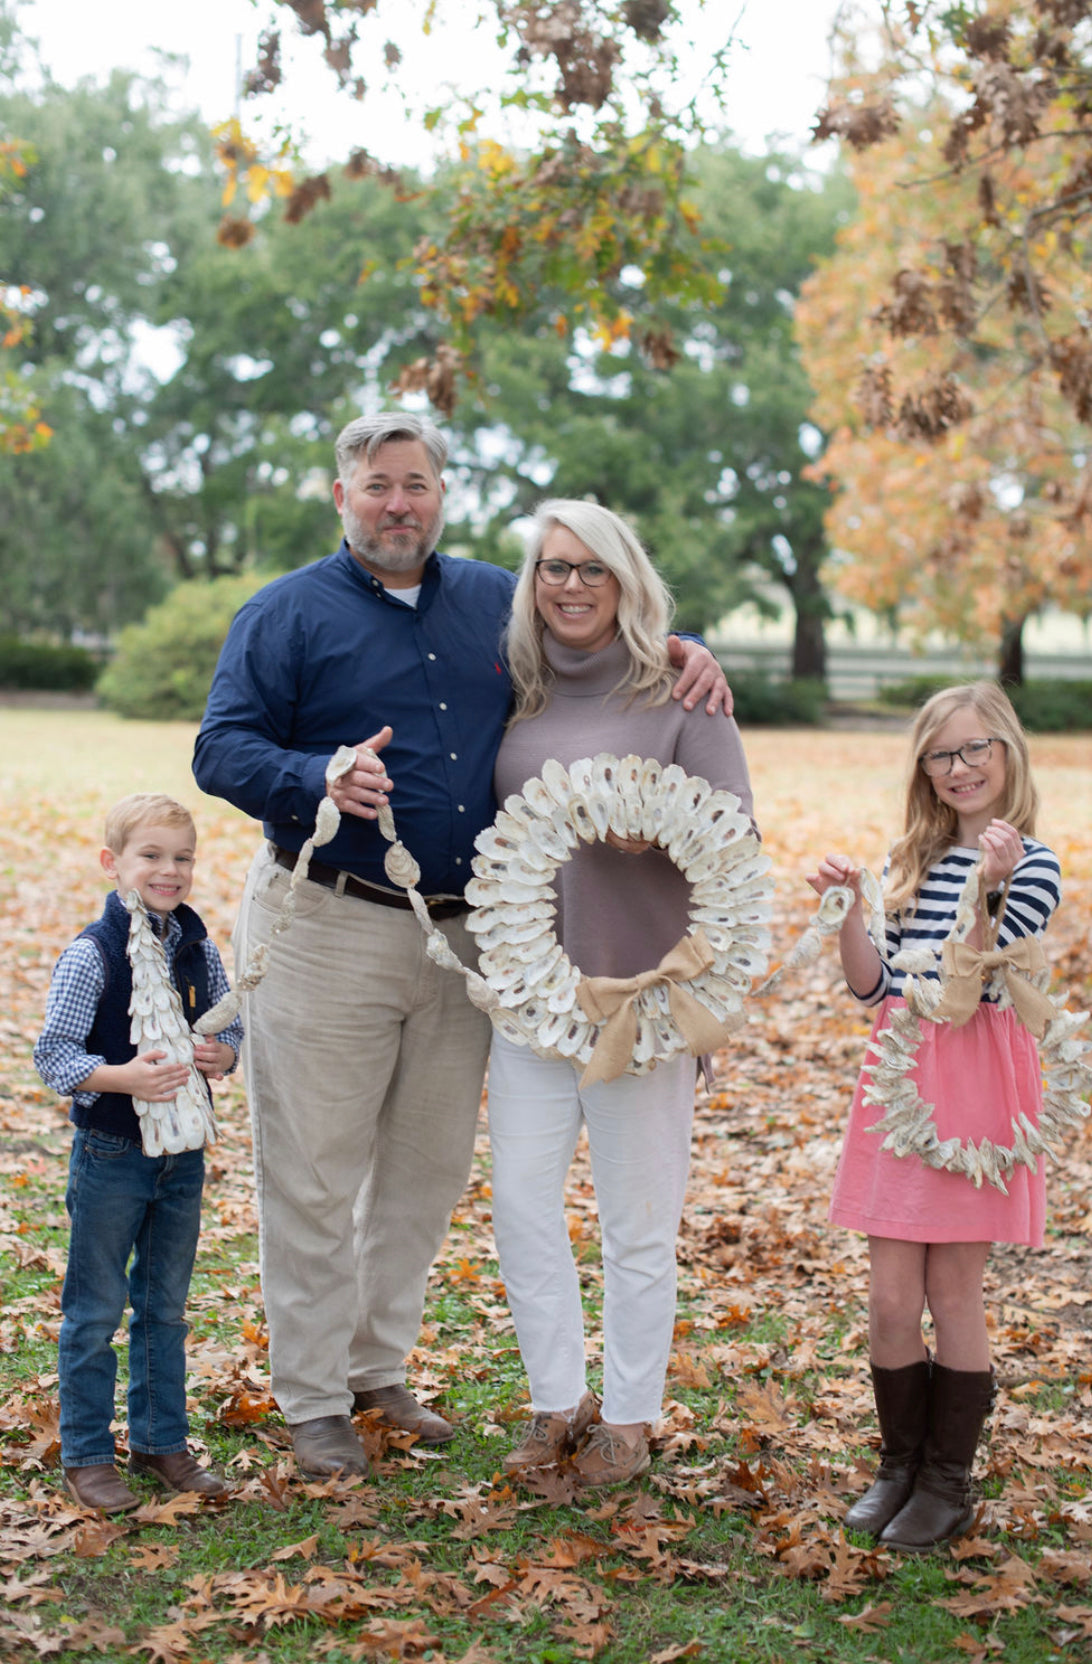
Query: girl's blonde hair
931 826
644 605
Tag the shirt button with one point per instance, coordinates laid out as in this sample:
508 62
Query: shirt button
443 707
458 860
462 810
432 656
454 755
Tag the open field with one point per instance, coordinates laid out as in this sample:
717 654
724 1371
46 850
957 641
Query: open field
730 1549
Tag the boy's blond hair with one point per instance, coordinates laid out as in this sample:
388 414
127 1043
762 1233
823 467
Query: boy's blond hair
139 809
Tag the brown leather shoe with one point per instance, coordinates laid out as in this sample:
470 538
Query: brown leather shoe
399 1408
328 1446
102 1488
179 1471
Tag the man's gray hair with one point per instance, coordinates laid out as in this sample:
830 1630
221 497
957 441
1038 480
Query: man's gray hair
365 435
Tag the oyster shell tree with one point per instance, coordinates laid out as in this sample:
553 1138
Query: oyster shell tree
157 1022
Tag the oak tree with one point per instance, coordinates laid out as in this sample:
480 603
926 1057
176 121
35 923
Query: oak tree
937 335
597 185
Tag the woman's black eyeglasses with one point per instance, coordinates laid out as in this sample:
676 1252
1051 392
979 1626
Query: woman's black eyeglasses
556 572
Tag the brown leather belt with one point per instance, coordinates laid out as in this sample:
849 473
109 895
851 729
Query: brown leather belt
333 878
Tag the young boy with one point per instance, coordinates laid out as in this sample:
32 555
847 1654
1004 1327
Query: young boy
122 1202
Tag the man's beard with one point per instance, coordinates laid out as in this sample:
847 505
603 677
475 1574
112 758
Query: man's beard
374 552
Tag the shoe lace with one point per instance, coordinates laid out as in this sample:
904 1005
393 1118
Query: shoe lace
611 1446
542 1430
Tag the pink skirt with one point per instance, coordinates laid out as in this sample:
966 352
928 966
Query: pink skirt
979 1078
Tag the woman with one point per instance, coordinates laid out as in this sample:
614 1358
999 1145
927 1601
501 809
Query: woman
585 646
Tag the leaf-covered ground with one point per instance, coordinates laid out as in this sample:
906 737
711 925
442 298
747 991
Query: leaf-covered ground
731 1546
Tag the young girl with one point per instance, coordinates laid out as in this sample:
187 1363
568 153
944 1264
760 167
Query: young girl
970 801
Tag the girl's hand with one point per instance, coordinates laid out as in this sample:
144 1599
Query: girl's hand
1002 847
836 870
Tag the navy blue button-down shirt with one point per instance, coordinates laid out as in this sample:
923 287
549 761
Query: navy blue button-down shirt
325 656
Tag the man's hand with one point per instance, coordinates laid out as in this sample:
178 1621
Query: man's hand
365 787
699 676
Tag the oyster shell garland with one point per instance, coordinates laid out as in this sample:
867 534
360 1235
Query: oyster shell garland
908 1126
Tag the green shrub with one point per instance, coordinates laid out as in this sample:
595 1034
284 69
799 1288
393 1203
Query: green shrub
1051 706
915 690
163 667
760 702
30 665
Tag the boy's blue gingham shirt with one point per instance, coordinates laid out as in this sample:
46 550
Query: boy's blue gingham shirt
77 987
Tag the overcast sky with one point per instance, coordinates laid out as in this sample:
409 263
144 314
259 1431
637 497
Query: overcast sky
779 66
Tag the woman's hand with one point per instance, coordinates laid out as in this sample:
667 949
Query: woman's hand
629 846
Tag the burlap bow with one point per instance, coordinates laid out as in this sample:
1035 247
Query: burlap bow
966 969
610 1000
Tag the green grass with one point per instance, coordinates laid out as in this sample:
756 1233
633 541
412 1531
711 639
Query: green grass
730 1548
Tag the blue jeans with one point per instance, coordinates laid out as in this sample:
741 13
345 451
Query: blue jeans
121 1203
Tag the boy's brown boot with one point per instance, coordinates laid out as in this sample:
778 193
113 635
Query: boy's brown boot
180 1471
100 1487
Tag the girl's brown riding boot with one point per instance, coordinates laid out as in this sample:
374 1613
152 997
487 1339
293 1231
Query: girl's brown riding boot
902 1408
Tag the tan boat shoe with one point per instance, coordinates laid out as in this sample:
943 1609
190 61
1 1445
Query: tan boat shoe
550 1436
606 1458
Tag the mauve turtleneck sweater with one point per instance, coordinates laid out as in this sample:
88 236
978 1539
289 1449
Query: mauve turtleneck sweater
618 914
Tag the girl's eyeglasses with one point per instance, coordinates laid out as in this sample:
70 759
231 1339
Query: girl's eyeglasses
556 572
972 754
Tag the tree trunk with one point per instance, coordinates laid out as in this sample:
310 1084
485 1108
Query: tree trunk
1010 666
809 645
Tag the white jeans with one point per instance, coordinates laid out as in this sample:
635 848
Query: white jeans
364 1064
639 1137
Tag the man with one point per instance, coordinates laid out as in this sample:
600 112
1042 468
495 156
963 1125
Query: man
363 1059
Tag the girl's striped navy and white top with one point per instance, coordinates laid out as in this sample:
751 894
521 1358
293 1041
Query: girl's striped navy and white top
1033 894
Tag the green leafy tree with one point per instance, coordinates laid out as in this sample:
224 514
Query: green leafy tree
600 181
196 389
276 342
708 458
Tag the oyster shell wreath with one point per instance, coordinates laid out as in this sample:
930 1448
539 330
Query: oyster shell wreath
908 1126
694 998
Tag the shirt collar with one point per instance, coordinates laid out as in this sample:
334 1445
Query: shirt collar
430 579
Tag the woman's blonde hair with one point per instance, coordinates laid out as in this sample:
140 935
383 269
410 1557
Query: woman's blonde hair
645 606
931 826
